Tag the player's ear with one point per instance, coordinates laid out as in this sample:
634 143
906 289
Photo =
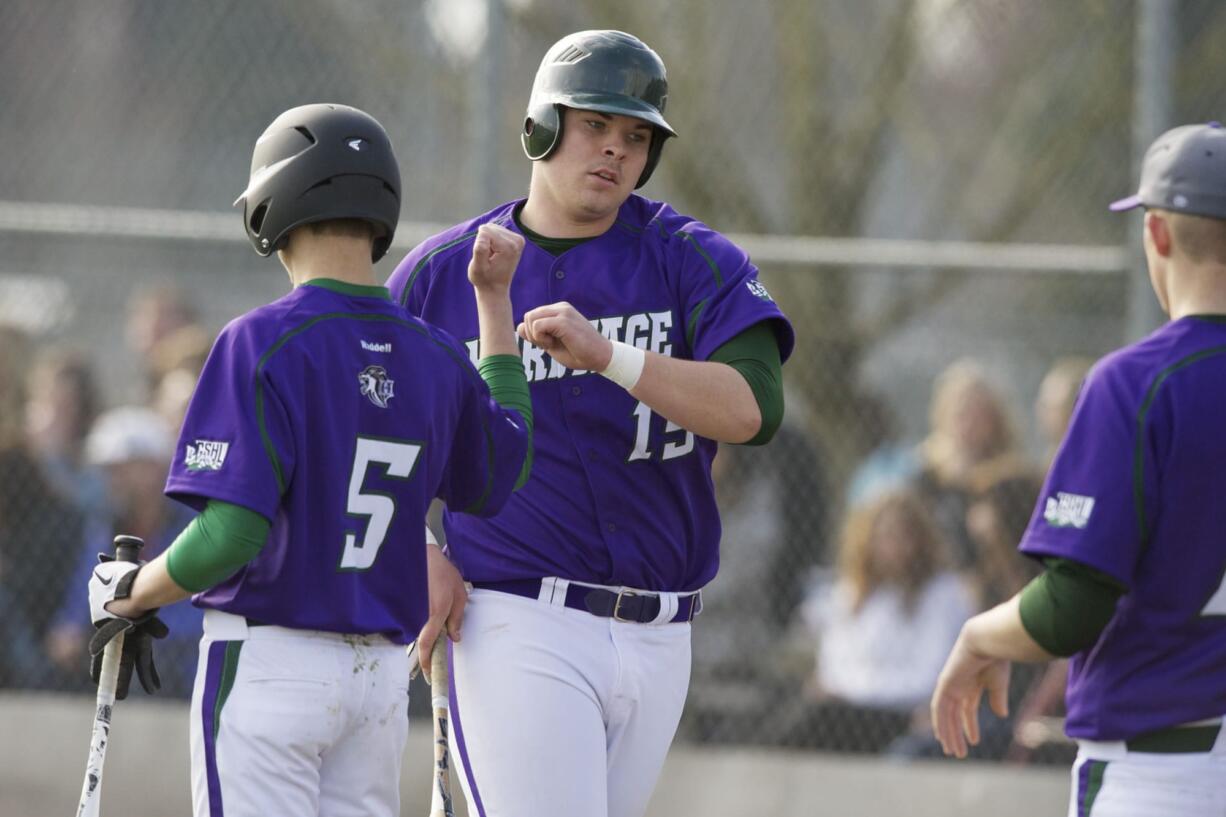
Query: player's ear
1158 232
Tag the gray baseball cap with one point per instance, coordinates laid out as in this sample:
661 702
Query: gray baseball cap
1184 171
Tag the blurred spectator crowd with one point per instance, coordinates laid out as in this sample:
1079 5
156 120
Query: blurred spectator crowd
836 606
830 619
74 474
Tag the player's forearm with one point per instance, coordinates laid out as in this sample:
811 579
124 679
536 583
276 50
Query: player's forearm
153 588
710 399
218 542
497 327
999 633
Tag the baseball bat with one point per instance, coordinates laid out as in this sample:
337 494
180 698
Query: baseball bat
127 549
440 794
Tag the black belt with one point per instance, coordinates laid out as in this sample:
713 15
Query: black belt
628 605
1176 740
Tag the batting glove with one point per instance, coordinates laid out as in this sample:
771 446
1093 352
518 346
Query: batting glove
113 579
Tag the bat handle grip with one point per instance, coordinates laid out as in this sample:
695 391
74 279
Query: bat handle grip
127 548
440 795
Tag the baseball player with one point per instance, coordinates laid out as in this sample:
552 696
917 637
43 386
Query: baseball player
647 339
1129 527
322 426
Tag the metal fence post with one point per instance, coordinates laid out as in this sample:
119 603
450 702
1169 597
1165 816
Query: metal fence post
485 115
1153 113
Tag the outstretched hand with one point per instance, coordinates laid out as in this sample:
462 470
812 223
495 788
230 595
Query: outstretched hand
960 687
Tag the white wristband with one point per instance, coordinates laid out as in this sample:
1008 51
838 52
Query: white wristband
626 365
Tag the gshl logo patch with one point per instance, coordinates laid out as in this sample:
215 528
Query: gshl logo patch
1068 510
376 385
758 289
206 455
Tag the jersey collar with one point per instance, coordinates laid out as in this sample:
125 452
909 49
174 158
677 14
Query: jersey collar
623 230
343 288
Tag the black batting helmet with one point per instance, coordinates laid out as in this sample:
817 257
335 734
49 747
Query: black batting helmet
607 71
319 163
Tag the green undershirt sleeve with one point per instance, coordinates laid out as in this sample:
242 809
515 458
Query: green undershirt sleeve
215 545
1067 606
755 354
504 374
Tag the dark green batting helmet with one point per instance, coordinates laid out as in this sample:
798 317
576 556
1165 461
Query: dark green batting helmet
607 71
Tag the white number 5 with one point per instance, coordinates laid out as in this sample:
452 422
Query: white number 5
399 459
1216 606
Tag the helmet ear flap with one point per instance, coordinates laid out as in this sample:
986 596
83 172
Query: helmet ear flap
658 138
255 225
542 131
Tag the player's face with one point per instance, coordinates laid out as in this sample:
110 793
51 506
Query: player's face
595 168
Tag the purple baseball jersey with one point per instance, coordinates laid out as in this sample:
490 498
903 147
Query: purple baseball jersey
337 416
618 495
1138 491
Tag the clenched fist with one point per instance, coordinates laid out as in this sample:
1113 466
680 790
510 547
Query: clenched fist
568 337
496 252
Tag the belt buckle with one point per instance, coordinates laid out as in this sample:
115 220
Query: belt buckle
618 604
695 605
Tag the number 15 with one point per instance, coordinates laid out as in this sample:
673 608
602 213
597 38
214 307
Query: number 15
672 450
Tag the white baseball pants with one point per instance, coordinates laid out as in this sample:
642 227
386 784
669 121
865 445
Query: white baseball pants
556 712
1109 780
295 722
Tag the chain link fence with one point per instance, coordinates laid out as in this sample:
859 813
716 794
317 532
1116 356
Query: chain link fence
928 375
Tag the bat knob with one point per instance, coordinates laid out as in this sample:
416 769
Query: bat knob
127 548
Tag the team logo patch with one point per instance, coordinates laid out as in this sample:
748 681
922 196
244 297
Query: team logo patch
1068 510
376 385
759 290
206 455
